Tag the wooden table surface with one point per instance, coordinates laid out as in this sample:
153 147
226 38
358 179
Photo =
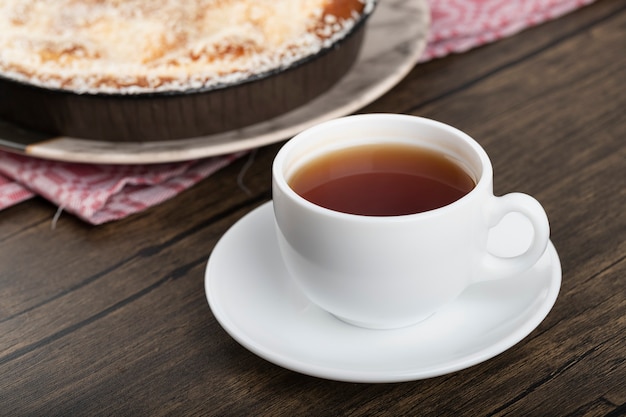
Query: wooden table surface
113 319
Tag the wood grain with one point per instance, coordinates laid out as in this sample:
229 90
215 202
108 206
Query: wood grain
113 320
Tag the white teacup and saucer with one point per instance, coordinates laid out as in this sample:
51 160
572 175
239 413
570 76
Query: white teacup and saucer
293 323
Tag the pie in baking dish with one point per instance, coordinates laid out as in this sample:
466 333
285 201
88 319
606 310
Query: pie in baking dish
136 46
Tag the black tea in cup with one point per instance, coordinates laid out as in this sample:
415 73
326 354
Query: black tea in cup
382 180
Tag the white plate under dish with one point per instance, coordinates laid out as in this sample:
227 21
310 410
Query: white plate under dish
387 56
251 295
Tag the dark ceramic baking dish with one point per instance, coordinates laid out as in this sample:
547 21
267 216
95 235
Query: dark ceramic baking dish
174 115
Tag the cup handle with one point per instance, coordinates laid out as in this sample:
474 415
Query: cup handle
495 267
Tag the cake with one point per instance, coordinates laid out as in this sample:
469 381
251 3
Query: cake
138 46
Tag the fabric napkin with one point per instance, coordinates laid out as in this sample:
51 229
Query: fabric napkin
102 193
460 25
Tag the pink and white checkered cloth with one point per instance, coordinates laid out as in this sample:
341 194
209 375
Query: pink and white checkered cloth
102 193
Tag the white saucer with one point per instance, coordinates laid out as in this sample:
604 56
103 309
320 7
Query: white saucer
251 296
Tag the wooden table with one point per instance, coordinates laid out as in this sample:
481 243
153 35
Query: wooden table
113 319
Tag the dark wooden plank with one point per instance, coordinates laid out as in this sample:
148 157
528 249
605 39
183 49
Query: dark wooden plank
21 217
441 78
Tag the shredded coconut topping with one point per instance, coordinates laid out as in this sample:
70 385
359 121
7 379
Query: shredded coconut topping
136 46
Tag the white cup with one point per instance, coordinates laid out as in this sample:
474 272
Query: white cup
393 271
